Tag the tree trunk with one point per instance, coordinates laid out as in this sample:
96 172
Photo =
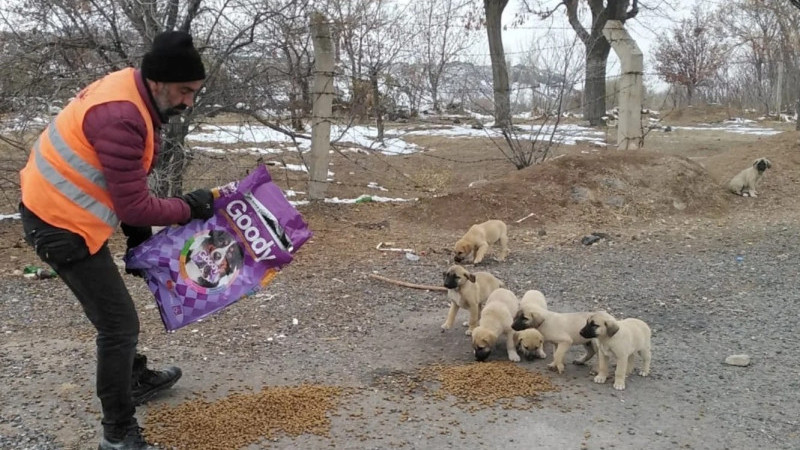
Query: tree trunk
173 159
502 97
594 87
689 93
377 103
295 111
797 115
435 95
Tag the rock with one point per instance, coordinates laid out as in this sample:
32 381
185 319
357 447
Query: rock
738 360
615 201
581 194
590 239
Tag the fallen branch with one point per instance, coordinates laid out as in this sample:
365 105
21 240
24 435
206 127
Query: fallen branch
529 215
381 247
407 284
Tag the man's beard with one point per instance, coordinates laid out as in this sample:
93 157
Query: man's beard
174 110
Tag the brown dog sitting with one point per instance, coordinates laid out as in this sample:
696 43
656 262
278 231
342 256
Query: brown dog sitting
477 240
469 291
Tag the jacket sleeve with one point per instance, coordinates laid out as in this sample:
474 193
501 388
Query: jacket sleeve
117 132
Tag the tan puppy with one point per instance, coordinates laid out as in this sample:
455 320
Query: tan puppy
621 338
530 344
561 329
469 291
496 319
478 239
744 183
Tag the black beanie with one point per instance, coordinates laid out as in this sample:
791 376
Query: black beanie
173 59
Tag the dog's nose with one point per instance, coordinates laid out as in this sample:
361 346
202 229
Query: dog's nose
481 354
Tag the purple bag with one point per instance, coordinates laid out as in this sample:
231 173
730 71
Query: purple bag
201 267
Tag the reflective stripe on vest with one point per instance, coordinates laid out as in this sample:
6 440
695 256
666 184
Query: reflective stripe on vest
63 182
68 188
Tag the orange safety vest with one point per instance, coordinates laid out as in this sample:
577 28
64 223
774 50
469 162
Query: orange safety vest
63 181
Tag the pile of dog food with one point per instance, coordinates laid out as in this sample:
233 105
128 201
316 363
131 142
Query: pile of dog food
486 384
239 420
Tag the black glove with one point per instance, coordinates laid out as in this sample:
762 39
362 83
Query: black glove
135 235
201 203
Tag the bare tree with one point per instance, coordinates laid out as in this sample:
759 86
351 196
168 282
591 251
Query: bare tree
383 44
692 55
558 64
597 47
442 36
65 44
502 94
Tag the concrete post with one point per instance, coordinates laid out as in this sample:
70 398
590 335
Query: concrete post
321 112
779 91
629 127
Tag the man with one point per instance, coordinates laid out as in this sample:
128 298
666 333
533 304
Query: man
86 174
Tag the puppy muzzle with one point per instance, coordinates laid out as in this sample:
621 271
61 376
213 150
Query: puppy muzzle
481 354
458 259
587 332
529 355
519 324
451 282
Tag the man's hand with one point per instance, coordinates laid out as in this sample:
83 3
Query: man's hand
135 235
201 203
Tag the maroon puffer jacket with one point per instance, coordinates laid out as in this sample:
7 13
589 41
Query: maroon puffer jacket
117 131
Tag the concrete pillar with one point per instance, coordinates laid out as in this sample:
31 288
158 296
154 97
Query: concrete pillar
322 95
629 126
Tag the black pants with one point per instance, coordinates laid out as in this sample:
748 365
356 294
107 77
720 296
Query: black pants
98 285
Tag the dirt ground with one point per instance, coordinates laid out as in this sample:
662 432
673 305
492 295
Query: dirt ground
712 273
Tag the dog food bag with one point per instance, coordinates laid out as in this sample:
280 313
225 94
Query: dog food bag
199 268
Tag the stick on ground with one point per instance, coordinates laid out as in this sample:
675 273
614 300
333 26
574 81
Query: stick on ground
407 284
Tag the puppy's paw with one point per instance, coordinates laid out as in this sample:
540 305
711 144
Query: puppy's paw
619 385
468 332
600 379
557 367
513 357
445 326
644 373
465 323
540 353
745 194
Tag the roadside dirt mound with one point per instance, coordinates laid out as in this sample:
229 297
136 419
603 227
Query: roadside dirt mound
779 187
782 150
614 187
704 114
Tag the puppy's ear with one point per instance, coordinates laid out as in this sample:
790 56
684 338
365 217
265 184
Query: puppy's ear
611 328
537 320
768 163
471 277
755 163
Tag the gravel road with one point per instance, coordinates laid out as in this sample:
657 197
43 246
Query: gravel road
707 293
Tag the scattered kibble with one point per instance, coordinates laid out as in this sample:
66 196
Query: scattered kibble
240 419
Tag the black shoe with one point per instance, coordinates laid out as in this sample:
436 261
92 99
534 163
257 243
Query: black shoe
147 383
133 440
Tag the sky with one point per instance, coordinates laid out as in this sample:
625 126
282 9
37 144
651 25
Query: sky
644 29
